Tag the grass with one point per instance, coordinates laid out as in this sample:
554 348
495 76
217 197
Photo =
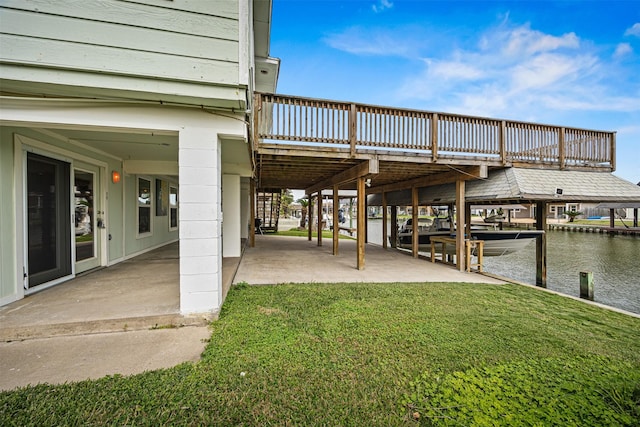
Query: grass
362 354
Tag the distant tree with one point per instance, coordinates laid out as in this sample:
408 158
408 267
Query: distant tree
304 203
285 202
572 215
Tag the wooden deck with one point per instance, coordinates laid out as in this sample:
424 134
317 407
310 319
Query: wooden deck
319 138
313 144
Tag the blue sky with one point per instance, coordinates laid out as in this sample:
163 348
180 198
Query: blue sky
570 63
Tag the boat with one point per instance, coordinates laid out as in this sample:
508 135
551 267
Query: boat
496 242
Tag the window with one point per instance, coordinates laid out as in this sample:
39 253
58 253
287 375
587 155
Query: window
144 206
173 208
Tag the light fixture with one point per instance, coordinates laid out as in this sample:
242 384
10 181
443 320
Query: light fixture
115 177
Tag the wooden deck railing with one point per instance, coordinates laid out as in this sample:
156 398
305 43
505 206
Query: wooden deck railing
306 121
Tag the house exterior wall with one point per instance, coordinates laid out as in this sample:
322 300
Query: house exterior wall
10 235
178 50
184 68
199 159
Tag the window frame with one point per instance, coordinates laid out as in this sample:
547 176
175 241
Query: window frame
139 205
174 207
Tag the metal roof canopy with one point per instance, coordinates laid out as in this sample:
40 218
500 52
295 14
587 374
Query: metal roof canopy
519 185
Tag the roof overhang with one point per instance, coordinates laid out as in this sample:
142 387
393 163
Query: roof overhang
267 68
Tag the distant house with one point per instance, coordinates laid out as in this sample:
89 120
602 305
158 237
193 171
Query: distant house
127 120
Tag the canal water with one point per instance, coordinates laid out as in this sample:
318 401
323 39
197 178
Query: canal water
613 260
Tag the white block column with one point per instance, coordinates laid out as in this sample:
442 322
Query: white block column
200 251
231 215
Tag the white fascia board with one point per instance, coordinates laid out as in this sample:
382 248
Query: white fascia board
117 116
37 81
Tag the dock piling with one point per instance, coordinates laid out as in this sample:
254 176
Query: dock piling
586 285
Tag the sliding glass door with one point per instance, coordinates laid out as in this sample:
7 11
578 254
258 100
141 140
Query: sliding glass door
48 219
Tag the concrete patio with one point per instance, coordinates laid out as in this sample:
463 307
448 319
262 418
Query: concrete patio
142 292
283 259
125 319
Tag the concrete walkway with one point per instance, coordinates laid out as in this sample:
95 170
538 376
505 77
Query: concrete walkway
64 359
123 319
283 259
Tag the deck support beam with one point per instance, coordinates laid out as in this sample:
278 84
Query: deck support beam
467 216
394 226
462 173
360 231
252 219
320 218
367 167
384 221
460 224
336 222
541 245
310 217
415 234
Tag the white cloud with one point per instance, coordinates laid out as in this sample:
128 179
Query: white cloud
452 70
523 40
546 70
634 30
381 6
375 42
517 72
622 49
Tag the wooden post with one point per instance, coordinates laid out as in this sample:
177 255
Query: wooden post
460 224
366 218
561 148
320 218
635 217
612 220
310 217
503 142
336 221
360 230
586 285
353 116
434 137
252 219
384 220
415 233
541 245
394 226
467 216
613 151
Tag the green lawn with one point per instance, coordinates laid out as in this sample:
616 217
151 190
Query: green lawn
375 355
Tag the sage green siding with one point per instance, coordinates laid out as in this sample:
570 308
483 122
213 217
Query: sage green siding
7 217
187 41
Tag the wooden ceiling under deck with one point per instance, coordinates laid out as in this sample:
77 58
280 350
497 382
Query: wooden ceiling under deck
300 172
295 169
